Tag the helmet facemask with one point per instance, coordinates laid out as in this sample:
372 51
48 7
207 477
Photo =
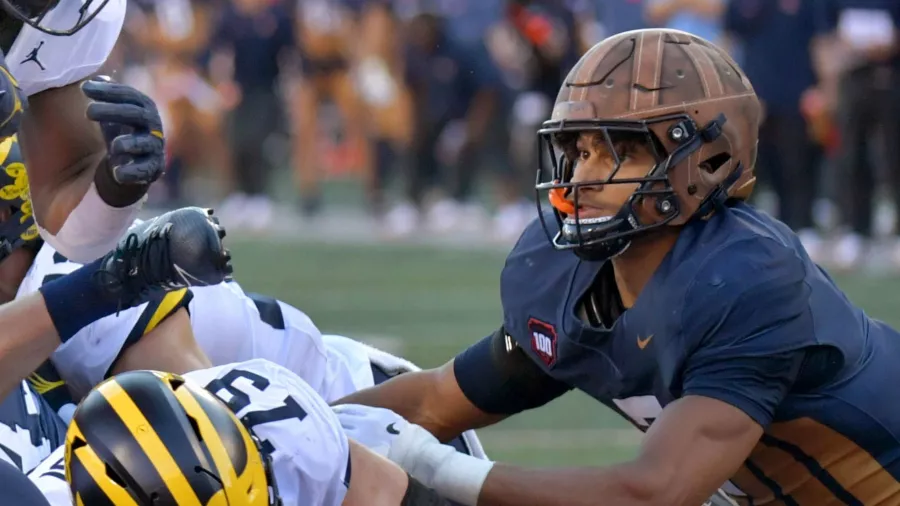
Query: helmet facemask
605 237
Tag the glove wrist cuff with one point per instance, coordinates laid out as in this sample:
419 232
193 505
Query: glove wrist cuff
460 478
456 476
113 193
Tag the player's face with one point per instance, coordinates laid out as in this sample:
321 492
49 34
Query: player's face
595 160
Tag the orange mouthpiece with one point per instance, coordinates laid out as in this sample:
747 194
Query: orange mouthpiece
560 202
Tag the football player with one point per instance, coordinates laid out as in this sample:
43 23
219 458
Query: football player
87 183
250 433
660 293
229 325
173 251
220 323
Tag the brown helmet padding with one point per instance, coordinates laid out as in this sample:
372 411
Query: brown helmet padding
646 74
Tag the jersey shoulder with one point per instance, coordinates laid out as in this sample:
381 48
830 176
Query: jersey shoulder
310 452
233 326
734 276
535 272
40 61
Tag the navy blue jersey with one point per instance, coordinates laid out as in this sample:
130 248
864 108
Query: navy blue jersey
737 312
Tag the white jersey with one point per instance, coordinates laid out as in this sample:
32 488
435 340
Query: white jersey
229 325
87 357
310 453
233 326
40 61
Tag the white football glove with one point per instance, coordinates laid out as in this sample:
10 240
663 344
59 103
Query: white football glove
454 475
374 428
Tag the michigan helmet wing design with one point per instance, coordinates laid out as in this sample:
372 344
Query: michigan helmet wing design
146 438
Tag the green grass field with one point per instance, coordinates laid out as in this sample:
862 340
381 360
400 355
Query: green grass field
432 303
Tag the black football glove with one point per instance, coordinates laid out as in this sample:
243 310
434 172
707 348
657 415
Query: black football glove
132 128
13 102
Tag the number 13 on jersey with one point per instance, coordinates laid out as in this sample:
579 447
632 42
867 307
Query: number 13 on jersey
250 397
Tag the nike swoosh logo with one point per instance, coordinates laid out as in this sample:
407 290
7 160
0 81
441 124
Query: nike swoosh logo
393 430
642 343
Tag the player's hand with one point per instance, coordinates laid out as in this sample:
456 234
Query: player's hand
132 128
13 102
374 428
456 476
386 433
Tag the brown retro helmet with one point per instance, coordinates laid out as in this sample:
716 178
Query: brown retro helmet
692 105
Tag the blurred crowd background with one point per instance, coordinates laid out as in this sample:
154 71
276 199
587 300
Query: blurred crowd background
428 109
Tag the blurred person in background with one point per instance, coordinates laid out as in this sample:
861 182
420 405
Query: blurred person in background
166 40
328 41
858 52
250 41
455 88
378 75
588 29
702 18
616 16
533 45
776 37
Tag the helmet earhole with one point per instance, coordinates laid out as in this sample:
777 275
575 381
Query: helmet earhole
714 163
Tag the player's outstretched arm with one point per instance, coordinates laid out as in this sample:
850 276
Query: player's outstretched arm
487 382
33 326
27 337
90 163
695 446
431 398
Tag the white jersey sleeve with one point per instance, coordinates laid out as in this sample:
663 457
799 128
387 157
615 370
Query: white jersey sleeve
310 453
50 478
86 358
40 61
233 326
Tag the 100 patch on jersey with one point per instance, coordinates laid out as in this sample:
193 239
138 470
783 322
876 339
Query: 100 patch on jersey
543 340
